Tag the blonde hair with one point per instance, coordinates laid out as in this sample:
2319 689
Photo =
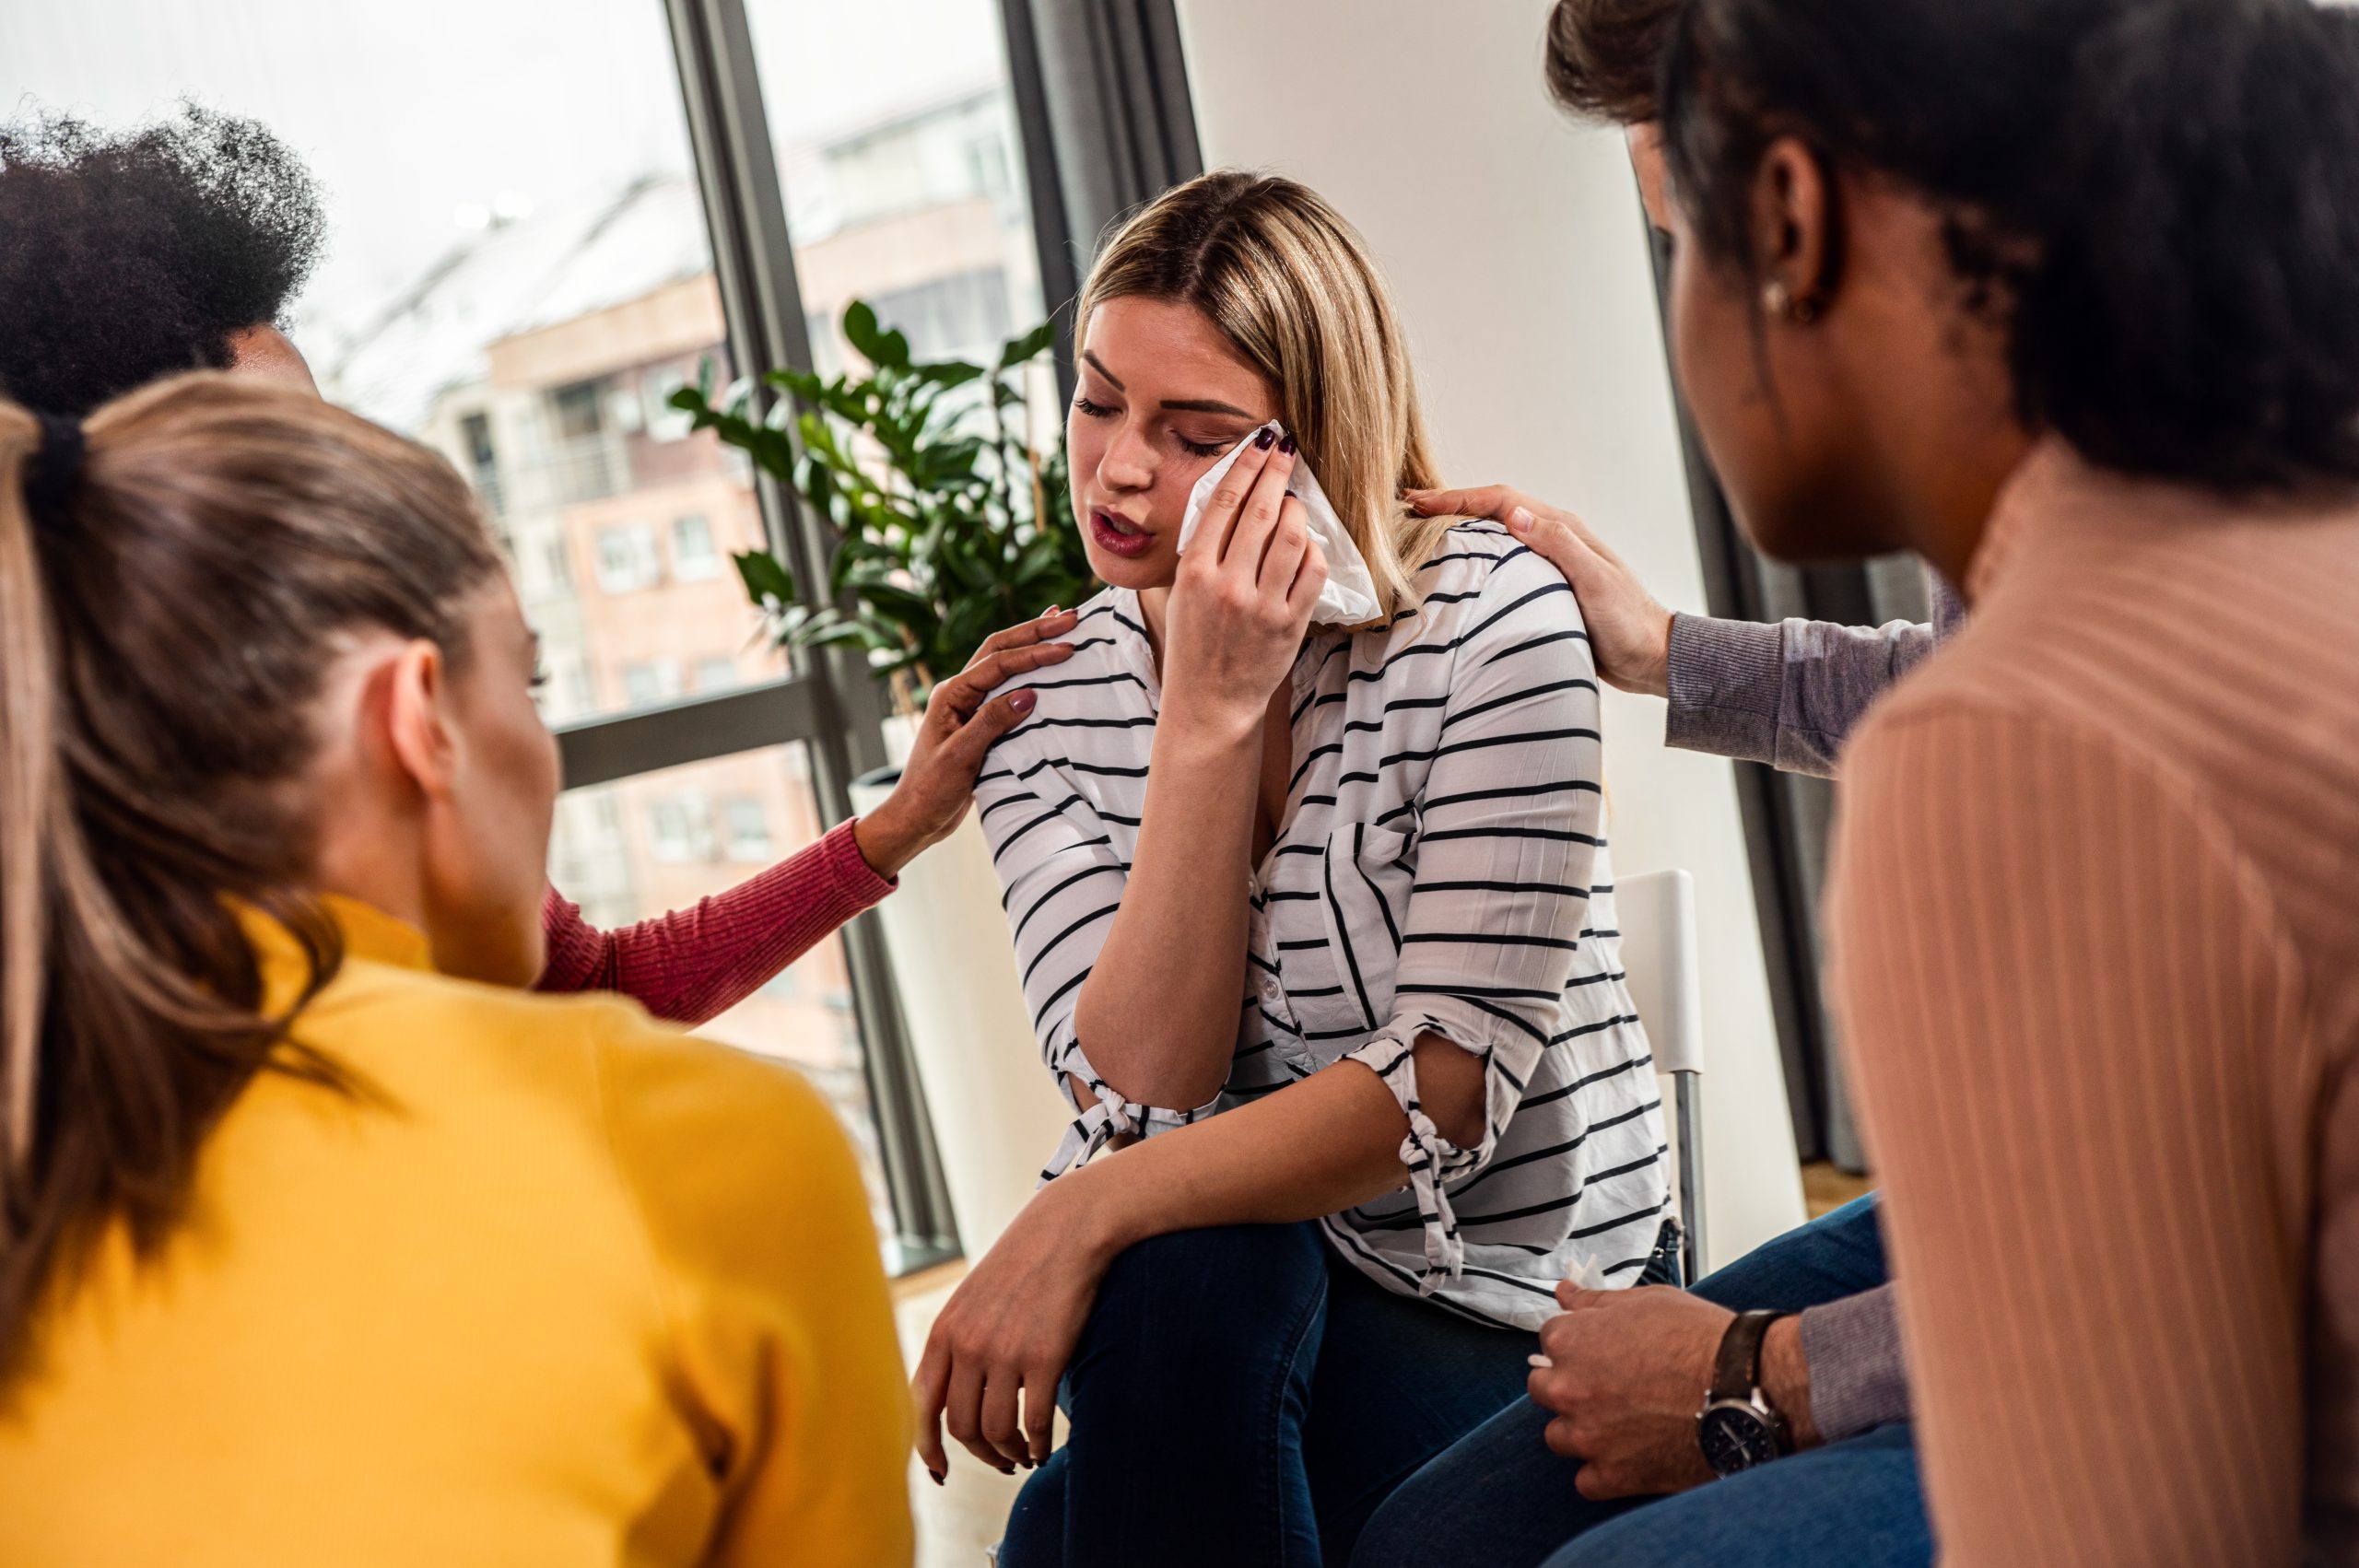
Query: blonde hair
1292 285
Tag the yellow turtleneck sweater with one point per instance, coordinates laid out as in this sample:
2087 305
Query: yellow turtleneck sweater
564 1288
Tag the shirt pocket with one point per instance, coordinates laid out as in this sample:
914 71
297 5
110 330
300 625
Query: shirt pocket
1344 992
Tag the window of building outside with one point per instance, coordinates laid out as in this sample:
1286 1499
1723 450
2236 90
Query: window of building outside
628 558
519 273
747 829
651 681
694 558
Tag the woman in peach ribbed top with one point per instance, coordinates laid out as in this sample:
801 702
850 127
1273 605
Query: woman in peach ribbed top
2064 294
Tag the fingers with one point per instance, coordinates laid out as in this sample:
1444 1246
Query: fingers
927 1392
1289 541
1227 502
1494 501
1565 542
1052 622
1573 1298
1249 538
965 691
1594 1483
973 742
1309 578
999 1430
963 1414
1039 1413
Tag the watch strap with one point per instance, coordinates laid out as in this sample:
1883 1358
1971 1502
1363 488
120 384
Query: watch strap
1736 1372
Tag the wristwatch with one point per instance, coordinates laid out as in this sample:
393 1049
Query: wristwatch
1738 1428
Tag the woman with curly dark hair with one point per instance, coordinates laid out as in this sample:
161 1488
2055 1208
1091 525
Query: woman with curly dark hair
178 246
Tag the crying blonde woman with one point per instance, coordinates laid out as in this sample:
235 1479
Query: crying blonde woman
1315 922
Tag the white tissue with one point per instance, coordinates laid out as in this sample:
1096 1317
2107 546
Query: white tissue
1349 597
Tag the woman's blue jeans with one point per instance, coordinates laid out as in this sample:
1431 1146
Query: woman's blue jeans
1243 1396
1502 1498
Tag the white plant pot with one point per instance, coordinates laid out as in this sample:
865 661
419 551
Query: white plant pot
996 1117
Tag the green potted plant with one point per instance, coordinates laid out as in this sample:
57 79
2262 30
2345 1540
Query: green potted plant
953 522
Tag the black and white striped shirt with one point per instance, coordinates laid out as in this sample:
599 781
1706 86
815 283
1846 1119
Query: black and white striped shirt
1442 870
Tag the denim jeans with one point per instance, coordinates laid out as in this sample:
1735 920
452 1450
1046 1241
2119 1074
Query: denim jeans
1501 1499
1244 1396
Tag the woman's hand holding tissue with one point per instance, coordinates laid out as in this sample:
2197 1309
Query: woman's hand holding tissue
1629 632
1242 600
1628 1371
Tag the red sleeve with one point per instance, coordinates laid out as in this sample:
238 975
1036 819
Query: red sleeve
692 965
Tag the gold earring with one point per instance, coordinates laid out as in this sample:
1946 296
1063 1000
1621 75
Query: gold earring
1780 300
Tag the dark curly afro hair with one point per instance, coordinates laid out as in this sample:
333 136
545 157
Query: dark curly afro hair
127 257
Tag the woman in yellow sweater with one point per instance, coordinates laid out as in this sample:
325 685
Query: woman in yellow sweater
321 1240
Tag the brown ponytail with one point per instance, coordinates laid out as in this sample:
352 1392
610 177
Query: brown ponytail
166 619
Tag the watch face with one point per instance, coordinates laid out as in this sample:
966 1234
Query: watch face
1735 1437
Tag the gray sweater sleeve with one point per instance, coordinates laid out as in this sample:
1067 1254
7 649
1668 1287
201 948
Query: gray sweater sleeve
1787 695
1852 1349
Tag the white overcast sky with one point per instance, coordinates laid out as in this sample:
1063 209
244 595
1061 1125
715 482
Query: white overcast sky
410 110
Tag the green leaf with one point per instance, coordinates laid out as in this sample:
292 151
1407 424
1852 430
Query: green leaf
1031 344
767 581
949 373
861 331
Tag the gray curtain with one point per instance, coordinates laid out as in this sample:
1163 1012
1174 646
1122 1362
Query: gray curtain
1101 104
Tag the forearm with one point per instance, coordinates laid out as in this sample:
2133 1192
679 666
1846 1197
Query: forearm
1789 695
1158 1013
1316 1148
694 964
1852 1365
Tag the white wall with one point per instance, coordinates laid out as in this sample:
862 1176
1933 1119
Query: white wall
1516 246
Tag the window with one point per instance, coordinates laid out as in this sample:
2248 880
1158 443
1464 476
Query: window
650 681
680 827
627 560
747 827
556 565
694 559
665 423
578 411
520 275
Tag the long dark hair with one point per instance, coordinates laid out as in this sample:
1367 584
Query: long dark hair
168 609
2160 196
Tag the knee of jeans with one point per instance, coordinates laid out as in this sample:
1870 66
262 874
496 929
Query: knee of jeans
1196 1306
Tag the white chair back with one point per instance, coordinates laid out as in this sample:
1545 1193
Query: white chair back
1655 912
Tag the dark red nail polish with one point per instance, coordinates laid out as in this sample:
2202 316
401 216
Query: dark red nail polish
1265 437
937 1477
1286 446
